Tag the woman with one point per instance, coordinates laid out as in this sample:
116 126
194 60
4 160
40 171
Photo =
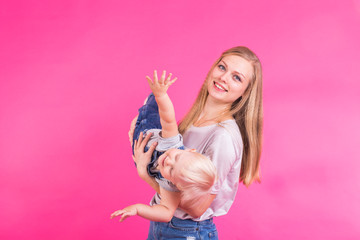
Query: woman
225 124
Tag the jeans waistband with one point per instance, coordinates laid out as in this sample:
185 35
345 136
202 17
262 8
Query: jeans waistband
190 222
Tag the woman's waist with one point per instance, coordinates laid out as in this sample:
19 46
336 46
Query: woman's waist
190 222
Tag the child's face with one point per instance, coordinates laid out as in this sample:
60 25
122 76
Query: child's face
172 161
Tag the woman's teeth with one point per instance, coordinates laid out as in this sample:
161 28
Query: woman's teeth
220 87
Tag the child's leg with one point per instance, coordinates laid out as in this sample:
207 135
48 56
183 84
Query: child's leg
148 118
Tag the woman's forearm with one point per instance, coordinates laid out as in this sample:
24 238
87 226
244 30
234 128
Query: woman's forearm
149 180
142 159
197 212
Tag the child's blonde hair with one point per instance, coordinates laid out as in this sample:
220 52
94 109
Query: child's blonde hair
196 179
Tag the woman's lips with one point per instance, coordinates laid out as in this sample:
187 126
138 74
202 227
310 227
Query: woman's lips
219 87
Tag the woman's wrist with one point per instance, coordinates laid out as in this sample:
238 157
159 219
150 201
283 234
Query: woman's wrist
142 171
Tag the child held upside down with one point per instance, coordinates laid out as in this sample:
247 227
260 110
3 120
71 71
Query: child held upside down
183 175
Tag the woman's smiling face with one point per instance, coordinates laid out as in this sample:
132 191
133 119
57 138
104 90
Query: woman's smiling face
229 79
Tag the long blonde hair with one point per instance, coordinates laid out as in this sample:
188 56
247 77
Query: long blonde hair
247 111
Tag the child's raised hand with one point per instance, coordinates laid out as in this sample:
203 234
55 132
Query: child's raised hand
160 86
125 213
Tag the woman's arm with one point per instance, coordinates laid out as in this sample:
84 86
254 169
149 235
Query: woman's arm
162 212
142 159
131 130
159 88
197 212
143 174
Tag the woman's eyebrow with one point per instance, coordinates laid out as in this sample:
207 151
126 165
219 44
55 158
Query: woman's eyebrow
240 74
234 71
224 62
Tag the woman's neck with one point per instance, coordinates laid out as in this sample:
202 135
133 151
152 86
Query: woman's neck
212 113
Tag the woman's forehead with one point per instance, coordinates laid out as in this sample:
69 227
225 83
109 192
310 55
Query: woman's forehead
238 64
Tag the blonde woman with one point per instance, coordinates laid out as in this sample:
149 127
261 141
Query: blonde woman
224 124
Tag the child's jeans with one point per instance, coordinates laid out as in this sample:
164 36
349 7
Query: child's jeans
148 118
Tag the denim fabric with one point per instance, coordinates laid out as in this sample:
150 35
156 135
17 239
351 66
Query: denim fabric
183 229
148 118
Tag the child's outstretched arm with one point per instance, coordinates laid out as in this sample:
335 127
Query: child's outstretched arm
159 88
162 212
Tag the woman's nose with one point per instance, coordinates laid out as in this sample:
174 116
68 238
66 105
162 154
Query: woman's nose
224 77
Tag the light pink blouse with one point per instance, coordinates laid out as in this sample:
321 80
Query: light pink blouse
222 143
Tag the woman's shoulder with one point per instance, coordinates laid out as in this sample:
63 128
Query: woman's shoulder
227 128
229 125
227 132
225 143
220 134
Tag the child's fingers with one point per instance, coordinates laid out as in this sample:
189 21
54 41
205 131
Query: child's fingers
168 78
125 216
116 213
155 76
163 75
172 81
149 80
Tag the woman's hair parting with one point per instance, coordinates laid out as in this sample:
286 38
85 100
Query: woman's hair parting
196 180
247 111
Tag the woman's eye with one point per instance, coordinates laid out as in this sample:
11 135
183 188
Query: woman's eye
237 78
222 67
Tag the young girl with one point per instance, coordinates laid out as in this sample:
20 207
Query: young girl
181 174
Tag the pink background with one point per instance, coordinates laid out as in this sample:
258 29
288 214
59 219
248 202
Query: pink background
72 75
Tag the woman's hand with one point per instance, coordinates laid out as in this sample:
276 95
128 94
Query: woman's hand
132 128
160 86
140 157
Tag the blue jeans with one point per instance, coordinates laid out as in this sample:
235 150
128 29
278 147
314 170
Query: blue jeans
148 118
183 229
